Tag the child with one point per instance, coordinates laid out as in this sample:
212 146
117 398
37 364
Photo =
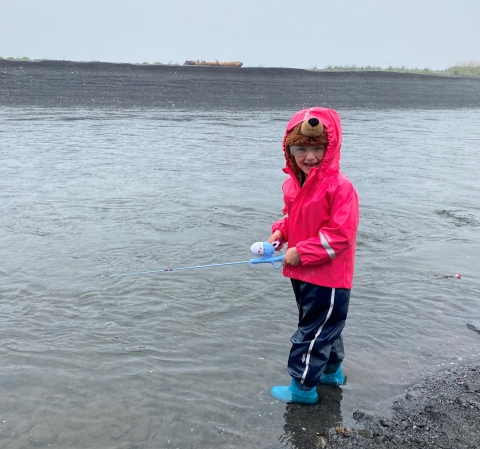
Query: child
320 226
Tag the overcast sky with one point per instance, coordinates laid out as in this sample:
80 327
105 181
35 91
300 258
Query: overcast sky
272 33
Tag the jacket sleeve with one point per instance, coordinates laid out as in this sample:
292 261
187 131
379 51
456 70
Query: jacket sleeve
282 225
339 234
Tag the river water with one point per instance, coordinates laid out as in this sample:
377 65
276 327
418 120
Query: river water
186 359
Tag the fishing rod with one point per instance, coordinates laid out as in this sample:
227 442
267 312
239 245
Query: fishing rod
264 250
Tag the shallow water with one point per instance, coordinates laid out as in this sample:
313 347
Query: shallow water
187 359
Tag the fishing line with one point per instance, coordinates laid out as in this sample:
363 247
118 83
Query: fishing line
264 250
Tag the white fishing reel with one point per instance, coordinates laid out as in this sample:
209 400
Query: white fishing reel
264 249
265 253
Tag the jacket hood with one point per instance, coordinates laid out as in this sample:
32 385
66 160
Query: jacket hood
331 122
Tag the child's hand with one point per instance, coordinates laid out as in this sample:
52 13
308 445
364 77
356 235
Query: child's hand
291 257
277 235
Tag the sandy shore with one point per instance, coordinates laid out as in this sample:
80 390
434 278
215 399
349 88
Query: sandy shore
96 84
443 411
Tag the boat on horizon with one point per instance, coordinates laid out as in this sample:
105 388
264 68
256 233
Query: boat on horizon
215 63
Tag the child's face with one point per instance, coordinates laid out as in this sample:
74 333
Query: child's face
308 156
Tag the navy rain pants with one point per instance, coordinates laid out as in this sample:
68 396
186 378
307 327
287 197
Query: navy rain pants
318 339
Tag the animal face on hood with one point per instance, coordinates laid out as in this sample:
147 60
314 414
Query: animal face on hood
328 130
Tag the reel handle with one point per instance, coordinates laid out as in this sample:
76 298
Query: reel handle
271 260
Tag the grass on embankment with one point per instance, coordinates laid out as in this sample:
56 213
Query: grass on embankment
11 58
471 68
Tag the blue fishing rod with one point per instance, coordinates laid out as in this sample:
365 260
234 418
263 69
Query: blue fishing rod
263 250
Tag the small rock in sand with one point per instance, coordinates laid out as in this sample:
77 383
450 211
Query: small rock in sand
344 431
366 433
358 415
387 423
472 388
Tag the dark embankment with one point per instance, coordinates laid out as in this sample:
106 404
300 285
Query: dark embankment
64 83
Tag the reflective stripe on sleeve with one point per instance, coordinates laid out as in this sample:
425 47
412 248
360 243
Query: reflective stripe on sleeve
326 245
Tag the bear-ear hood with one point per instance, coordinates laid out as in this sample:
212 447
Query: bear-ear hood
330 121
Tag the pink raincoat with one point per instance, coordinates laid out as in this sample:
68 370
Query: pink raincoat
320 218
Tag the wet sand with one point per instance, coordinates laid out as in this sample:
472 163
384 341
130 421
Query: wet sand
91 84
443 411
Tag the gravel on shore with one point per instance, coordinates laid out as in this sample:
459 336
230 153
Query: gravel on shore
443 411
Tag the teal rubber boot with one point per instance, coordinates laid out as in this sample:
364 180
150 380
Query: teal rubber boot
294 394
335 378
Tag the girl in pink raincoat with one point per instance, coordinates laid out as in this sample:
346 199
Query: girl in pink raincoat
320 226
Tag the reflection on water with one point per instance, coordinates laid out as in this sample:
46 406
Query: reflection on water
187 359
